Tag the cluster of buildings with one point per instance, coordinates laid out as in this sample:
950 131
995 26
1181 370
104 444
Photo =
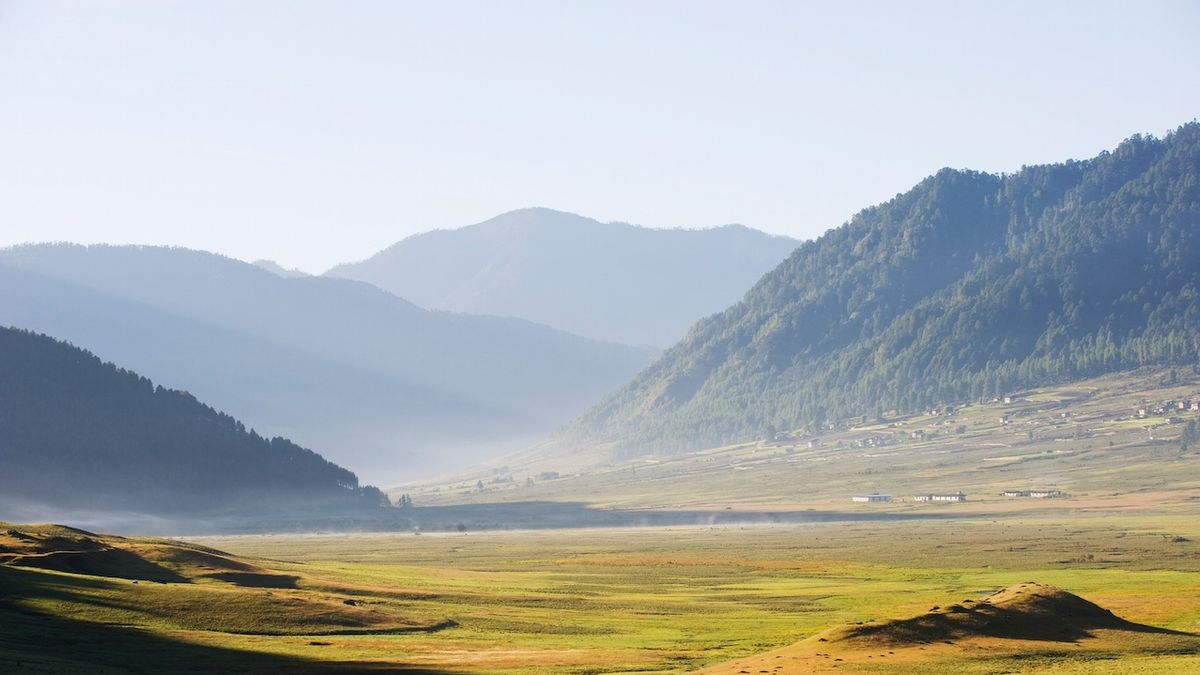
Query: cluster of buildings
1036 494
870 442
1168 407
947 411
940 497
923 497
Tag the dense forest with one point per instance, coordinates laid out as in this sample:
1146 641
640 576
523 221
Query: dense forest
78 432
965 287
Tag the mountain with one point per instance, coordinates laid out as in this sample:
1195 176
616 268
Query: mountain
609 281
76 432
965 287
370 380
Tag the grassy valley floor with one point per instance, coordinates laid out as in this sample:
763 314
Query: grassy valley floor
599 600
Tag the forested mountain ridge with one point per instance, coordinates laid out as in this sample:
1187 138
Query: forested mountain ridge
608 281
76 432
372 381
967 286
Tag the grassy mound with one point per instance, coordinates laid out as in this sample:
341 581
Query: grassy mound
1027 611
66 549
1012 630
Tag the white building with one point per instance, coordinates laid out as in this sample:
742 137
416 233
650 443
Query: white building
1045 494
940 497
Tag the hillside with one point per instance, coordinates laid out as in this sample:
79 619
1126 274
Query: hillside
126 604
966 287
1085 439
78 433
609 281
372 381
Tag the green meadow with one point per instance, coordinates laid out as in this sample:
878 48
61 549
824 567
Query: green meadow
577 601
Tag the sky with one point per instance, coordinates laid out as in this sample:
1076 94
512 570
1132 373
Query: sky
314 133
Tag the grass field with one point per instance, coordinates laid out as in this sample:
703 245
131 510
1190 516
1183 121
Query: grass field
604 600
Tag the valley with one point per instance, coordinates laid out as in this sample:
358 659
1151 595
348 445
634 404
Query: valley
739 570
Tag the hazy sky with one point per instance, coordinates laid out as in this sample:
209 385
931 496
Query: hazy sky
318 132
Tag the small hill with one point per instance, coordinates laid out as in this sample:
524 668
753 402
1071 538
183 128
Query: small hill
609 281
1022 612
1007 626
80 434
966 287
68 549
118 601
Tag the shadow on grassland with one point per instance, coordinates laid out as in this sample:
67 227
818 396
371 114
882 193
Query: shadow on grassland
36 642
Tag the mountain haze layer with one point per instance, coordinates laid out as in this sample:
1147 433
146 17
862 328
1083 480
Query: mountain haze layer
366 378
610 281
965 287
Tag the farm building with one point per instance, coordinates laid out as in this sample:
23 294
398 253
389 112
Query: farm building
1045 494
1036 493
871 498
940 497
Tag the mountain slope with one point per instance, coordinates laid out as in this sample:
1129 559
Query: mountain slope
76 432
371 380
964 287
609 281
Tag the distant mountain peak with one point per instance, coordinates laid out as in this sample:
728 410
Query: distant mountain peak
610 281
279 270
